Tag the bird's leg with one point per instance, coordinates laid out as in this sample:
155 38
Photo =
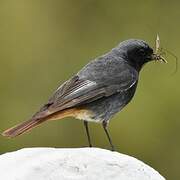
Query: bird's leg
87 132
104 124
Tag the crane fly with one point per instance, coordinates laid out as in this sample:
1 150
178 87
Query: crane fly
157 55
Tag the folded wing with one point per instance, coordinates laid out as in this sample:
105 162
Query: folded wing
76 91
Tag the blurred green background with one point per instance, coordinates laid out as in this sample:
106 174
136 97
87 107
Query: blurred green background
43 43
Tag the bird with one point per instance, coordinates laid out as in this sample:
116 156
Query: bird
98 91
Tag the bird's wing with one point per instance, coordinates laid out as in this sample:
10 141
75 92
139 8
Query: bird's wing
77 91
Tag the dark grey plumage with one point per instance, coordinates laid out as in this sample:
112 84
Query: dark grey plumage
98 91
106 84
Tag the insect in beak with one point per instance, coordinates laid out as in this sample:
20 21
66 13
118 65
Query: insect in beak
157 55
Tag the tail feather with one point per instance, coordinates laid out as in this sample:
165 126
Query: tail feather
35 121
23 127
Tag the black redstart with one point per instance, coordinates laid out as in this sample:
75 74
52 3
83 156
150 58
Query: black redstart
98 91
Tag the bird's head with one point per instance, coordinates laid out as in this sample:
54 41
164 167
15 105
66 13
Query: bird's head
138 52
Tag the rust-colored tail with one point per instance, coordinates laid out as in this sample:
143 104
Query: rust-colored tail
21 128
31 123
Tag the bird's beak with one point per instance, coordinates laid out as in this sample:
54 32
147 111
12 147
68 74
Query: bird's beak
158 57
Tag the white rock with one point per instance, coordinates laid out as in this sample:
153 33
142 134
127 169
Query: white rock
73 164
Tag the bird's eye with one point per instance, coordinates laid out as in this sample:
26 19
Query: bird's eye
142 52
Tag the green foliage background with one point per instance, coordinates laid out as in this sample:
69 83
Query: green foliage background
43 43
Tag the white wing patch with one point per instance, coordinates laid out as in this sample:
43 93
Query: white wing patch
83 87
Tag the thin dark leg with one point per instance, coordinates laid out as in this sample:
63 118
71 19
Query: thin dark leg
108 136
87 132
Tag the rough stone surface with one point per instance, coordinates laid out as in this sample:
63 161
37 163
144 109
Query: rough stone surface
73 164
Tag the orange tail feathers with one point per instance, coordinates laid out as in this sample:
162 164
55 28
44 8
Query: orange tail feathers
28 125
21 128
